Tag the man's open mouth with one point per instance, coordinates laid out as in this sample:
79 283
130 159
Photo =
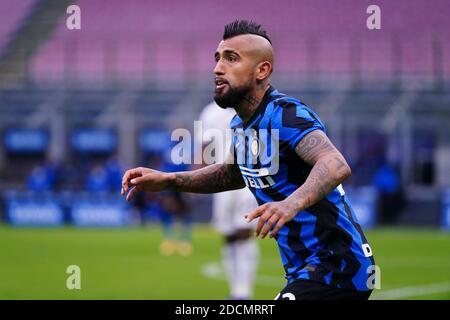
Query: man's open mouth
220 84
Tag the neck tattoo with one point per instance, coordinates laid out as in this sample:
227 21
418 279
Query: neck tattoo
248 107
251 100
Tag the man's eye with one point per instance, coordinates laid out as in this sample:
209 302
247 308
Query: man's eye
232 58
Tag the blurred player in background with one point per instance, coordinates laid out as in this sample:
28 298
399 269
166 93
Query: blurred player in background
323 249
175 208
240 254
170 208
175 216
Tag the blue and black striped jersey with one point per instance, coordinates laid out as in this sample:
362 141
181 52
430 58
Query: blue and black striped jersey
323 243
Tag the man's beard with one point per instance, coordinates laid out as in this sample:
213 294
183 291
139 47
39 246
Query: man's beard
233 96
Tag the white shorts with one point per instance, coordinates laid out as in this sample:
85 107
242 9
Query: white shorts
229 209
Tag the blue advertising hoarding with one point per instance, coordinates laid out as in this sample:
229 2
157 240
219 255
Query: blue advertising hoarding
34 210
26 140
95 140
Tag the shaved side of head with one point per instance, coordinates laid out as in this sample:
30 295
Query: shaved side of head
260 48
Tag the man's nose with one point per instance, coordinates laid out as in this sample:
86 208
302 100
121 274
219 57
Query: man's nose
218 70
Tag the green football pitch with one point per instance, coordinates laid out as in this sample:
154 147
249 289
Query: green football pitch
126 264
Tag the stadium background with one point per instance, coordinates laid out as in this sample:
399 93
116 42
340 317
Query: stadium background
79 106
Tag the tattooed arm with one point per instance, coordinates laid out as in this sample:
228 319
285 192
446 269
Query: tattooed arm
210 179
329 169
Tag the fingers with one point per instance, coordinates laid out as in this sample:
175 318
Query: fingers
136 181
129 174
262 220
273 219
255 213
277 228
132 194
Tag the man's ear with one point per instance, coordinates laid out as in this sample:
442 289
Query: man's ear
264 69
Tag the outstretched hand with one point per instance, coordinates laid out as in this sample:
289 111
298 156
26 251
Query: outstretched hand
143 179
272 214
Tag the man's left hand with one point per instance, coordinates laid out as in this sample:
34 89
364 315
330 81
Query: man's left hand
272 214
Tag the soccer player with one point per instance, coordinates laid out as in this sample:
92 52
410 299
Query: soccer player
240 253
302 203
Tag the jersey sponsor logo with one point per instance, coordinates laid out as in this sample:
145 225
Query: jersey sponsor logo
257 178
258 183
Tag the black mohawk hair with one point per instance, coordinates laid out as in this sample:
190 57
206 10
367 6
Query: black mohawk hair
239 27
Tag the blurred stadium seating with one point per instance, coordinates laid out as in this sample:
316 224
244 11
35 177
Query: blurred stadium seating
139 67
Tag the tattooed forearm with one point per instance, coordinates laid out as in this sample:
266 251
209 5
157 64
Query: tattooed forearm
313 145
326 174
329 169
210 179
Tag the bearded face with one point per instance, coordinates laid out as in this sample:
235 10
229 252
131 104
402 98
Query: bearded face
228 95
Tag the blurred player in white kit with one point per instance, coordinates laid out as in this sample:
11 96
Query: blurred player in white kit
241 253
